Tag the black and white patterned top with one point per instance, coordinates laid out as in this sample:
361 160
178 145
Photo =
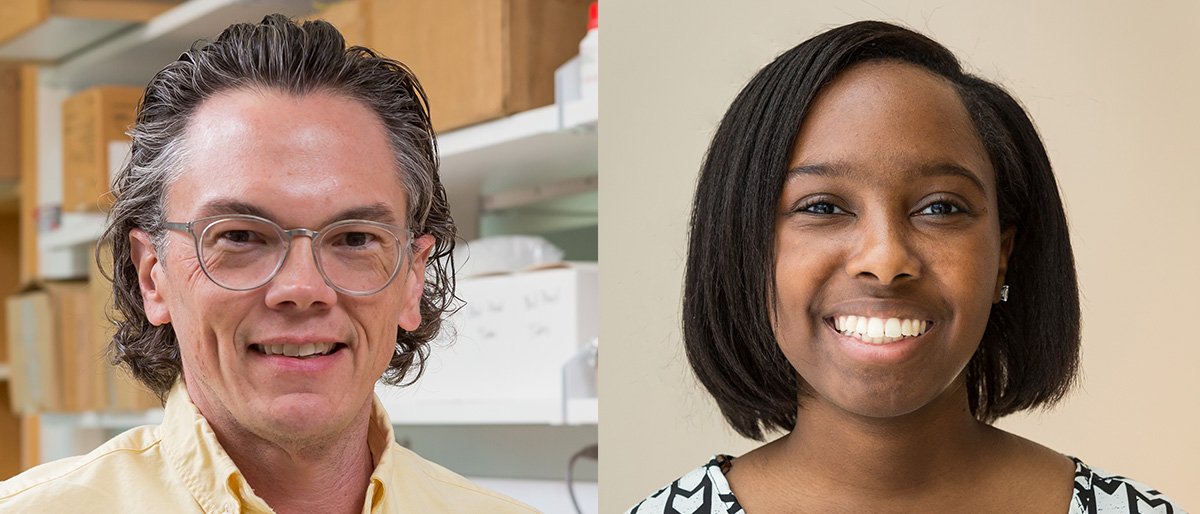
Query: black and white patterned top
705 491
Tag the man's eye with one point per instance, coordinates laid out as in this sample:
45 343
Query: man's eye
940 209
354 239
822 208
240 236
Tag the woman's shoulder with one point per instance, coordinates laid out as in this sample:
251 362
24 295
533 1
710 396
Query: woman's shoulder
703 490
1097 491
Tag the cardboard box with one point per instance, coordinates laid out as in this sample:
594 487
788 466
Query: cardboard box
56 363
476 59
10 124
349 18
10 436
94 143
34 373
28 188
9 266
79 365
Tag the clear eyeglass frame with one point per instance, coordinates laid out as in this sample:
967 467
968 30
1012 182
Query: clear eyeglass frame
403 237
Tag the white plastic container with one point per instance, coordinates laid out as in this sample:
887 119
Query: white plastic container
589 57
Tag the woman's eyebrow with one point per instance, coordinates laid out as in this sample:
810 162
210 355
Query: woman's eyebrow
929 170
820 170
947 169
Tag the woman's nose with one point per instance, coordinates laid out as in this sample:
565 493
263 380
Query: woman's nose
884 251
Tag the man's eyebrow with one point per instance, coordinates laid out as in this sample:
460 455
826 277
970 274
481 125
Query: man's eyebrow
928 170
230 206
379 212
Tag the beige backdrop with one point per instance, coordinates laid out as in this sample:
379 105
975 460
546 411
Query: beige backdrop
1112 88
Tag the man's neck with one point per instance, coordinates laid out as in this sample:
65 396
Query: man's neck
328 476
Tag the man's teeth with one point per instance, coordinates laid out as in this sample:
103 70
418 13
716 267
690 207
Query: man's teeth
292 350
879 330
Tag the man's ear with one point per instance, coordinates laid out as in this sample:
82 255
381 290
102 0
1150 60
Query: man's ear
1007 236
414 283
151 277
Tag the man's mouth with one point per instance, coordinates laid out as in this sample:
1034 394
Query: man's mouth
880 330
299 351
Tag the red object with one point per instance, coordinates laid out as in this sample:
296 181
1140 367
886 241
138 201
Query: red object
593 24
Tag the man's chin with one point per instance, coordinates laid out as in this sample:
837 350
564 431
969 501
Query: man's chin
301 416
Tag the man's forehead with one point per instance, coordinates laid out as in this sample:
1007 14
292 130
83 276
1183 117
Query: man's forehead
292 159
255 116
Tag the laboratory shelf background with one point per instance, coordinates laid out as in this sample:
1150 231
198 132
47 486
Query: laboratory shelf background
526 152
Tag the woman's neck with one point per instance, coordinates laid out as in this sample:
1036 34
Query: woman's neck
837 459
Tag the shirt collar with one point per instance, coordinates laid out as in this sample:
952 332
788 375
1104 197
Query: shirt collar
195 454
380 437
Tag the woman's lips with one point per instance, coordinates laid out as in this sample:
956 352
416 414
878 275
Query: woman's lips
879 331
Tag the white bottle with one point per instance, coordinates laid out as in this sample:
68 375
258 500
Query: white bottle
589 58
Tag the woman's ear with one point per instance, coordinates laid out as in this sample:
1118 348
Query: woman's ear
151 277
414 283
1007 236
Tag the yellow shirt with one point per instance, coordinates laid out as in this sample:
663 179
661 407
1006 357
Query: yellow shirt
180 467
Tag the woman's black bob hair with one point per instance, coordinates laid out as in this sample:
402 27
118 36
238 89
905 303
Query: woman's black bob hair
1030 349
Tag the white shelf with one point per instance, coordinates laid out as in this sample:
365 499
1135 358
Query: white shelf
547 143
549 496
59 37
62 252
471 412
105 420
75 228
134 56
583 411
404 410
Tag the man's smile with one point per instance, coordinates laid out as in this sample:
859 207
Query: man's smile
298 350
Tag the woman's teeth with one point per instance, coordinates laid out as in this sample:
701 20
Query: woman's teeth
292 350
879 330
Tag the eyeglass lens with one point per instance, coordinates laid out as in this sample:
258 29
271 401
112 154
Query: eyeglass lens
241 253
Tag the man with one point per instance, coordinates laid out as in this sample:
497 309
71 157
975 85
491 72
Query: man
280 240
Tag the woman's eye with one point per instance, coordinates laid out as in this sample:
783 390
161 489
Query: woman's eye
822 208
940 209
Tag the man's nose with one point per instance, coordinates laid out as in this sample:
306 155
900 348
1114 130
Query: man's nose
884 251
299 281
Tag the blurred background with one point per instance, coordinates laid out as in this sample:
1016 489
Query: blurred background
1110 85
511 402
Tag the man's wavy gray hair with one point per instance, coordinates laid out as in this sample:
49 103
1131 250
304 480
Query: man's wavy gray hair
276 54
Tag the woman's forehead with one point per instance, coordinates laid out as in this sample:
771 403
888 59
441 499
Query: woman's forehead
890 115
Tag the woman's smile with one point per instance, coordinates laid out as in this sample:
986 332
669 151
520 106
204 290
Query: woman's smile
872 330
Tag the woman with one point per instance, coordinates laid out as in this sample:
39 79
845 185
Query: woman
879 266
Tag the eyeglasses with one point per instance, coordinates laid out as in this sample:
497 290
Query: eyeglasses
241 252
